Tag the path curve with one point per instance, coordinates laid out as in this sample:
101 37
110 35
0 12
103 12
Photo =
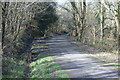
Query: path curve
75 62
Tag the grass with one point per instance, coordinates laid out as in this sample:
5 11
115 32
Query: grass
43 65
46 67
16 69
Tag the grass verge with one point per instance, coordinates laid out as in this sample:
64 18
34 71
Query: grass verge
105 60
46 67
43 65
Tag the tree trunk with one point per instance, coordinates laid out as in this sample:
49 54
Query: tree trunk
83 21
94 34
75 16
4 15
118 27
101 22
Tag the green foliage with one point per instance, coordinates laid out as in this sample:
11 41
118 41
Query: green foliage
43 20
15 68
79 36
44 16
45 67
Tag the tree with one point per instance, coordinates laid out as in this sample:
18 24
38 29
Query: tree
19 28
46 17
102 11
83 20
116 13
4 15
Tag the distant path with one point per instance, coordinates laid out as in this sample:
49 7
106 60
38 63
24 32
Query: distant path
77 63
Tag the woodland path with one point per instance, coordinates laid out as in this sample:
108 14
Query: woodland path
75 62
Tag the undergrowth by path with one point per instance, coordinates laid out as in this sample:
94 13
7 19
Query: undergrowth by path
43 65
46 67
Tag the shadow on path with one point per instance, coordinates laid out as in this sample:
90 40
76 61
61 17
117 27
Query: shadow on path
76 62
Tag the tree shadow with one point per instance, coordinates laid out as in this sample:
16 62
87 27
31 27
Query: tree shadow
61 48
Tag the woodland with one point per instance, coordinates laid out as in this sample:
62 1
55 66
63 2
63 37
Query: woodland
96 24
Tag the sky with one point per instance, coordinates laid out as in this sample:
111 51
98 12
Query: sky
61 2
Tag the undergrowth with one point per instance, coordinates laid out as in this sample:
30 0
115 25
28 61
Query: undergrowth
46 67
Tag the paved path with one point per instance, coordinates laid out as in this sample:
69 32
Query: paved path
77 63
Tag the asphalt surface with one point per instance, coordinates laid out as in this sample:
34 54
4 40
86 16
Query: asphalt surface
75 62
